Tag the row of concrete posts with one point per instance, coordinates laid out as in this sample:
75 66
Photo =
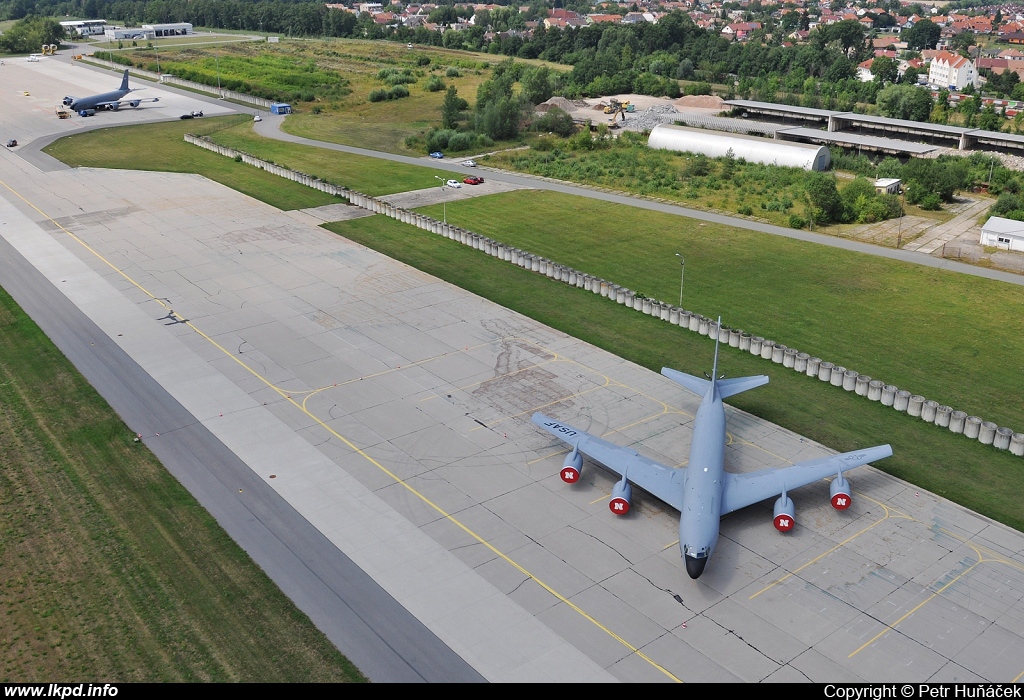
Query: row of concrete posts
986 432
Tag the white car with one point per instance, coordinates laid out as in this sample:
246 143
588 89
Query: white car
453 183
257 118
470 163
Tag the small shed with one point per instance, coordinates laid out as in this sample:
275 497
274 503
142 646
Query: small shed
280 108
1003 233
888 185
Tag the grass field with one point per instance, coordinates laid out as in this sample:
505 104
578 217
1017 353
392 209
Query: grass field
384 126
962 470
917 327
165 150
371 176
335 78
110 570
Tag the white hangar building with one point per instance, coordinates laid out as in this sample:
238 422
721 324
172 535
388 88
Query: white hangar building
715 144
1003 233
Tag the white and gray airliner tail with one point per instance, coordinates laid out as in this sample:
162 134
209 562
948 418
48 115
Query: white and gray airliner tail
703 491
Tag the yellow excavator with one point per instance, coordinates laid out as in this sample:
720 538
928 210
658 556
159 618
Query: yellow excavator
615 108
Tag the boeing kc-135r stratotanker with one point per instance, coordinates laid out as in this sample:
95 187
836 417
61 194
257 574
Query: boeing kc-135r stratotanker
87 106
703 491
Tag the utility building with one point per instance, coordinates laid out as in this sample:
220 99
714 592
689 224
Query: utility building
751 148
175 29
1003 233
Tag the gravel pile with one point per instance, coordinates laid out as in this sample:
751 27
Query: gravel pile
701 101
651 117
1013 162
562 103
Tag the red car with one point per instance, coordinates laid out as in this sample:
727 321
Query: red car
474 180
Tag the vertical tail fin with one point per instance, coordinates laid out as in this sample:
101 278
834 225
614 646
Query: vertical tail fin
124 80
714 366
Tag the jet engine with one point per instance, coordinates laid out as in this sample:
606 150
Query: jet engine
133 103
67 100
839 492
114 107
622 493
572 466
785 512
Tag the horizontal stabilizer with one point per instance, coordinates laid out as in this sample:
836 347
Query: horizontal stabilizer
695 384
731 387
726 387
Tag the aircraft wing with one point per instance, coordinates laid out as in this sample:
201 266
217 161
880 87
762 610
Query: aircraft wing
742 490
664 483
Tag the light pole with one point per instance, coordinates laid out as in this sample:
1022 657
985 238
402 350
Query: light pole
444 203
157 49
217 58
682 273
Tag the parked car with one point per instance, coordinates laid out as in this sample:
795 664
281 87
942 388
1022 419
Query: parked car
187 116
474 180
257 118
470 163
437 154
12 143
453 183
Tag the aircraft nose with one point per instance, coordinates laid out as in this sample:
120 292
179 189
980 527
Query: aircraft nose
695 566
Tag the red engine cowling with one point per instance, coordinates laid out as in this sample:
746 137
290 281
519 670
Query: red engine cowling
839 492
571 467
785 514
622 494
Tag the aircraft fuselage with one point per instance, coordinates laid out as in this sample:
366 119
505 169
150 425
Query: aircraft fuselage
702 494
93 101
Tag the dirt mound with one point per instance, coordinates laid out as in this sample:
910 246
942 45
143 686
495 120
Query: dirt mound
700 101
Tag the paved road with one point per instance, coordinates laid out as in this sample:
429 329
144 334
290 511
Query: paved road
270 127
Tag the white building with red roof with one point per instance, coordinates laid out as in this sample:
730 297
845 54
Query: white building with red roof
952 70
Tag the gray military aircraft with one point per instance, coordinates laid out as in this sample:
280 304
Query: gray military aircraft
87 106
703 491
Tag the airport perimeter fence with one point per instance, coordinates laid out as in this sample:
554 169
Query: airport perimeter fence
273 168
959 422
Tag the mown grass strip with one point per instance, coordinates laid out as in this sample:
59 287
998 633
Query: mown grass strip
962 470
162 148
110 570
951 337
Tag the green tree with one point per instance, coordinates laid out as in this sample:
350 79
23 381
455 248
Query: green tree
885 70
990 120
451 108
923 35
27 35
556 121
848 33
536 84
826 203
904 102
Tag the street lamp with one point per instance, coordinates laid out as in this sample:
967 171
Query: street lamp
217 58
444 203
682 272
